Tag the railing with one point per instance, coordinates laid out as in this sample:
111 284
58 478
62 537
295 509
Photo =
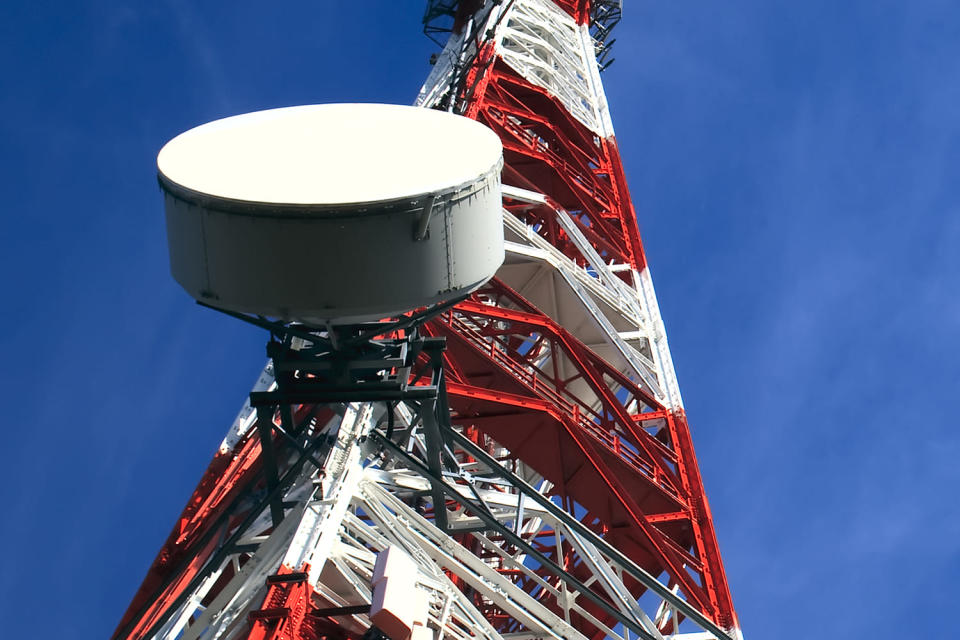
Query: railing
536 144
567 410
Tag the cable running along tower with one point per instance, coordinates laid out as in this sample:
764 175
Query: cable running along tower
515 466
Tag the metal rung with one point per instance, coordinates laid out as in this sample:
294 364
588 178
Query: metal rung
284 578
269 614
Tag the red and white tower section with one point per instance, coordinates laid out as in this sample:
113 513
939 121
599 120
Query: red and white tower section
548 487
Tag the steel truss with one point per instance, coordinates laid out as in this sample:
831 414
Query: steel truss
563 360
527 448
499 553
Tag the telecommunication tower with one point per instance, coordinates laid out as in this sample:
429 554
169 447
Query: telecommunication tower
504 457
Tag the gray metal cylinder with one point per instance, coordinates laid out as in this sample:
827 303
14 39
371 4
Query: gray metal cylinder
333 213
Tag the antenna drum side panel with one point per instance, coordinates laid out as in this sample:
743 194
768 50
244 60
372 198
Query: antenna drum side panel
333 213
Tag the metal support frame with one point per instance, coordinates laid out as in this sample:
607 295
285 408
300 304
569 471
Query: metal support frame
410 466
513 373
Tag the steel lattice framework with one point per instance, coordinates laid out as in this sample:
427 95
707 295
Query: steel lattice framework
539 470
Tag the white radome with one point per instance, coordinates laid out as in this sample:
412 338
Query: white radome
333 213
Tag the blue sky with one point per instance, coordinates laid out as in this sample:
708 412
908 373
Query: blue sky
795 170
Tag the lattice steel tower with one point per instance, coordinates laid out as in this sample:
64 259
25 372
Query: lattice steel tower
543 480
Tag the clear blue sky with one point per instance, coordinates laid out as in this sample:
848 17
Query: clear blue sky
795 169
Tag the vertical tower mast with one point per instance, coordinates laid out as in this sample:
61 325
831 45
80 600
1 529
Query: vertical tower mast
542 480
576 270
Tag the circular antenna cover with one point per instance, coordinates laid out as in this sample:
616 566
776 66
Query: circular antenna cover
334 213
